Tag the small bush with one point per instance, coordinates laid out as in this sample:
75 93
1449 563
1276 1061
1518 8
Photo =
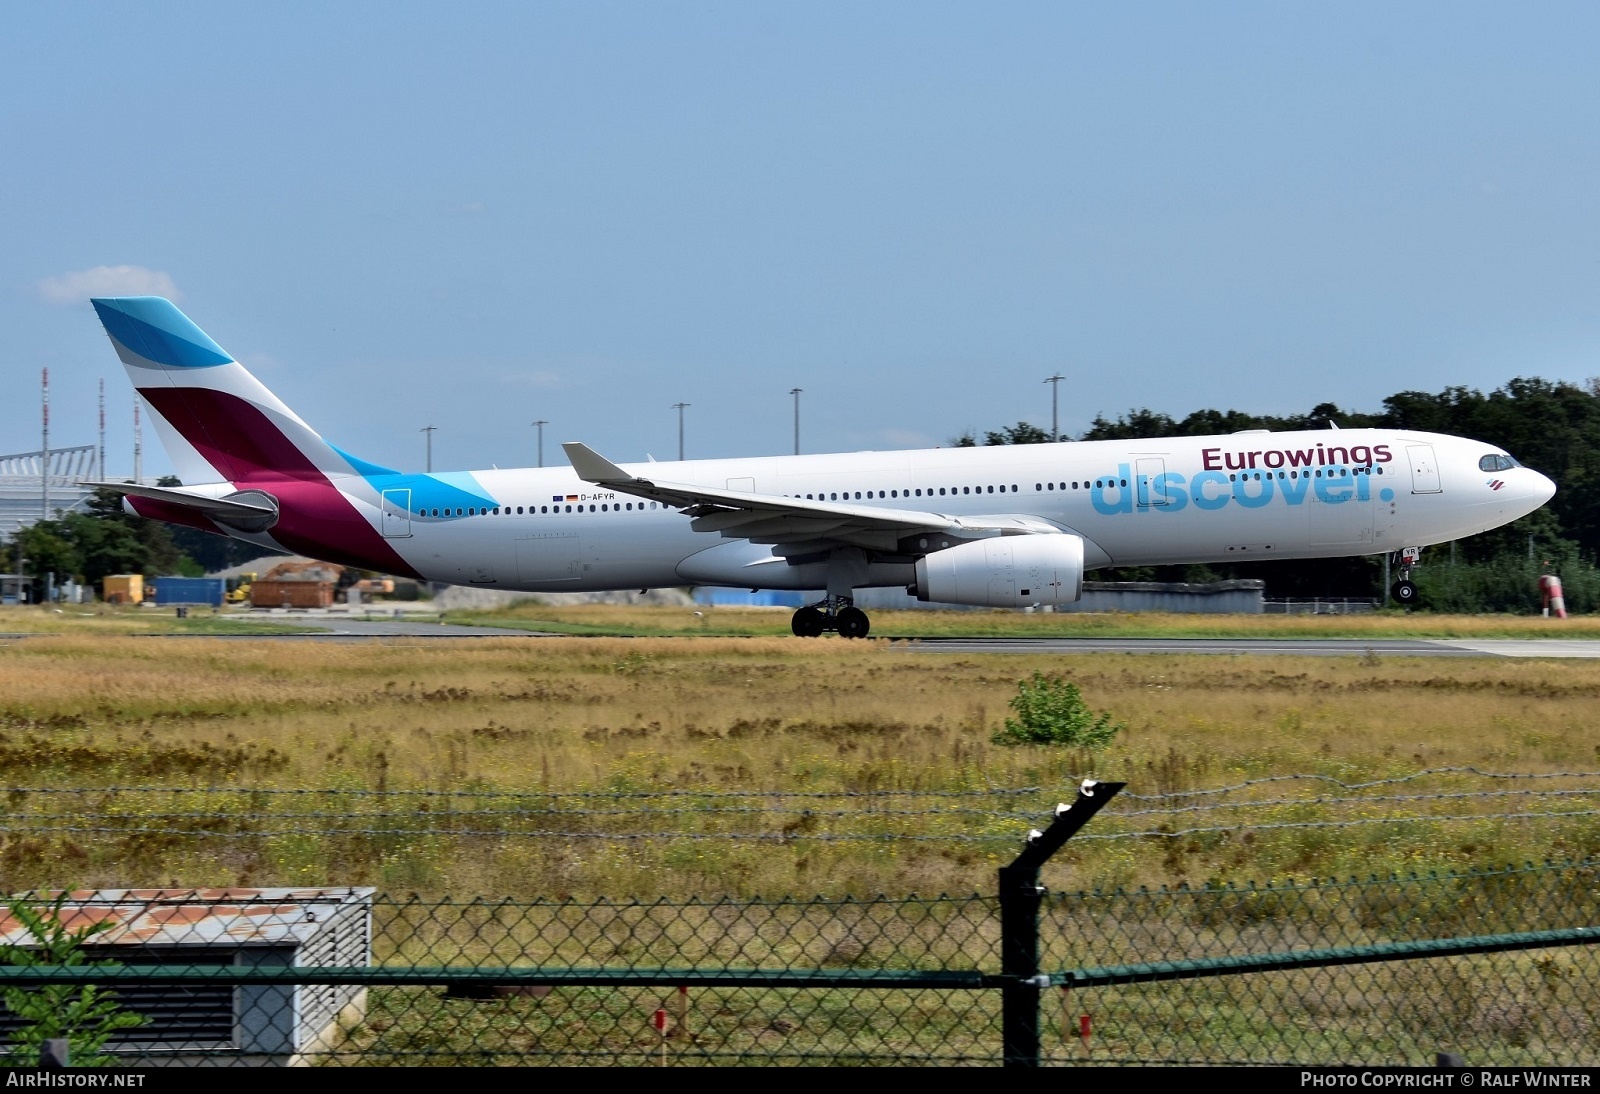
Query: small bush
1051 712
86 1015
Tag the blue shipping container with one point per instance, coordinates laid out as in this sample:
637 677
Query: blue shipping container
189 590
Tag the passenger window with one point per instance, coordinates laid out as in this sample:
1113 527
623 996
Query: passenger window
1036 486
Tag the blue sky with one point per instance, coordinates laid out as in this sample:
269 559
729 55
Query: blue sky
480 215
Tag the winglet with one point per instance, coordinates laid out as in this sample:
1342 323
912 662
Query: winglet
591 466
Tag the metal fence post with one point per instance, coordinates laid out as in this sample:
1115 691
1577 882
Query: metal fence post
1021 896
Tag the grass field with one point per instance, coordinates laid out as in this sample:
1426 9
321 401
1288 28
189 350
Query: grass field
104 619
894 743
631 620
620 621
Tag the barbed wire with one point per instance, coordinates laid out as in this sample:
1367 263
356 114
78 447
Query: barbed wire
1067 786
800 837
746 811
878 816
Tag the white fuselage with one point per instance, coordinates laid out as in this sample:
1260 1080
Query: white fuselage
1238 497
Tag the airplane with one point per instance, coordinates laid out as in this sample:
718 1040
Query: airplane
1007 526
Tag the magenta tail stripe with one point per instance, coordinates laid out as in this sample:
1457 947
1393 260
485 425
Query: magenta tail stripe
315 518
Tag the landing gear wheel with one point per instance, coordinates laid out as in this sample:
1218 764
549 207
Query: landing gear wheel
808 623
1405 593
852 623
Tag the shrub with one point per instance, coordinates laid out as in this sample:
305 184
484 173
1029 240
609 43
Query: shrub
85 1015
1051 712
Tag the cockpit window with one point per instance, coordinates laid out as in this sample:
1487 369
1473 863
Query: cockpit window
1497 462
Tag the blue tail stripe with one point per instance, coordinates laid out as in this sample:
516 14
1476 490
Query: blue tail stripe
365 468
155 329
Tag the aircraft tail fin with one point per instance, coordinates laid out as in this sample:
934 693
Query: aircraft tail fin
217 422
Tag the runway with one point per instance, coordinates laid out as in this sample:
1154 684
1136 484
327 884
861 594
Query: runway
334 629
1263 647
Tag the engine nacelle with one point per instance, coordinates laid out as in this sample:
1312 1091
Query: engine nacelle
1005 572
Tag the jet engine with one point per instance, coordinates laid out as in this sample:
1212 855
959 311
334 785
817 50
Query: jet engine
1004 572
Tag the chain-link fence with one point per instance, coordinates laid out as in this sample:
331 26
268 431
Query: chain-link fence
1495 965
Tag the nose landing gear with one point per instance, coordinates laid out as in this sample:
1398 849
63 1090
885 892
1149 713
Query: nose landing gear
833 613
1404 591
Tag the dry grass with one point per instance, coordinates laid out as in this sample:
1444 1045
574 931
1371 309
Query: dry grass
114 619
569 716
616 619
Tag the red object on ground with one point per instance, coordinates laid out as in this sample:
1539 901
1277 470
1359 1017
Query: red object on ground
1550 586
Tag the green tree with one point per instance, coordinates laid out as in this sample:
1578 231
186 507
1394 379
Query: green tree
48 548
1021 433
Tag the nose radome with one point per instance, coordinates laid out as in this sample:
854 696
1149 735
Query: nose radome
1543 487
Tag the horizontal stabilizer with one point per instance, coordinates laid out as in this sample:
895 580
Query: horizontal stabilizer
220 507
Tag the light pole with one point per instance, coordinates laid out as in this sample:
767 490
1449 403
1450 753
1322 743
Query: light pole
539 425
428 429
796 393
679 408
1055 388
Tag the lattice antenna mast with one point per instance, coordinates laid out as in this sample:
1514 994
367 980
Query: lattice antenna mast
44 448
100 455
138 444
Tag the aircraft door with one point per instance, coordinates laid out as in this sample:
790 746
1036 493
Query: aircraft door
396 513
1146 472
1424 469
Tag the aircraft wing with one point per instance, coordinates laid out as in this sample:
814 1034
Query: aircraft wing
795 523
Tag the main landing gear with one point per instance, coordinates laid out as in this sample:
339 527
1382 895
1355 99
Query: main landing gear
834 613
1404 591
